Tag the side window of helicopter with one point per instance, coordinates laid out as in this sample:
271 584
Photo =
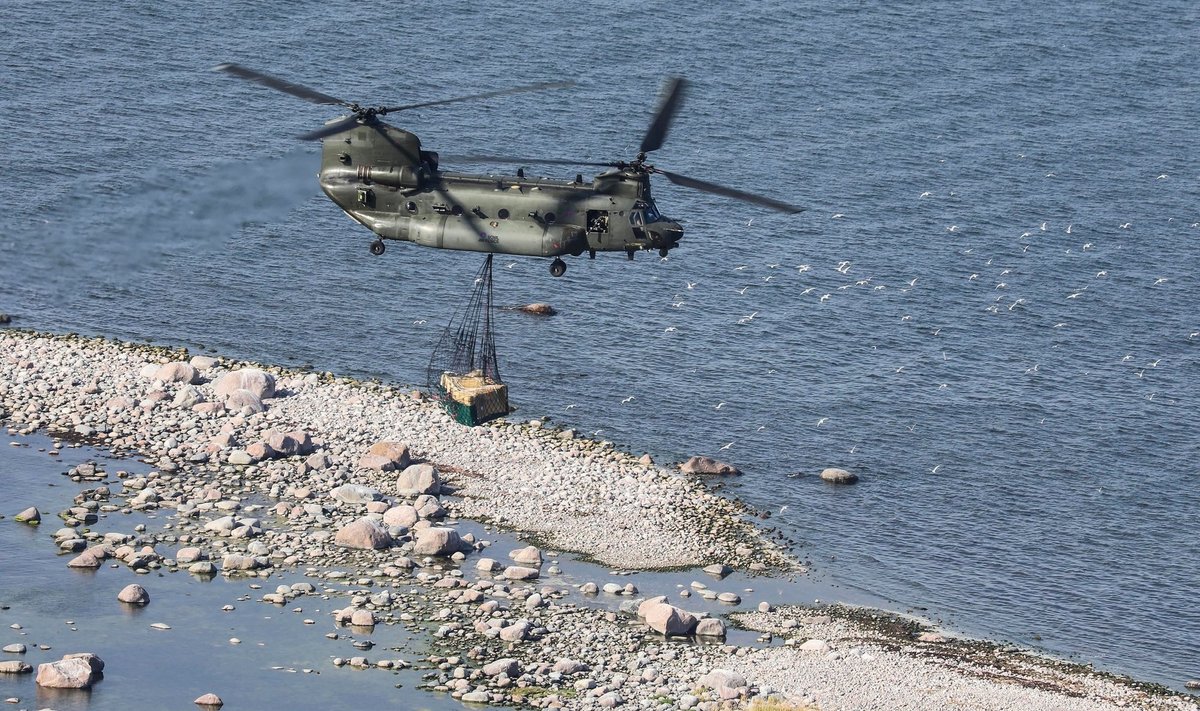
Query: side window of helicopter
636 218
597 221
652 214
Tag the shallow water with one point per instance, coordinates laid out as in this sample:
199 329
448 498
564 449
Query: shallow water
73 610
1020 181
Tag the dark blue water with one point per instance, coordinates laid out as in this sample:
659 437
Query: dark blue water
1008 355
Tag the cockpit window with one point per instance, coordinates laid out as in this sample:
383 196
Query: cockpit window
649 210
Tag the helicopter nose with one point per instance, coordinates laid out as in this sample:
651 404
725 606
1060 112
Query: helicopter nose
669 233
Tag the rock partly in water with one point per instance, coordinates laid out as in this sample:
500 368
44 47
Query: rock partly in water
537 309
74 671
210 700
134 594
437 541
365 533
708 465
30 516
834 475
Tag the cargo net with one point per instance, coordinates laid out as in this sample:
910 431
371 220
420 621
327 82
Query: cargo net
463 373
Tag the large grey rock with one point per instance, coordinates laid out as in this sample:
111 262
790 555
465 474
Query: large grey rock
429 507
569 666
355 494
134 594
707 465
728 684
15 666
365 533
834 475
529 555
418 479
259 382
70 672
235 561
518 572
210 700
508 666
189 555
710 627
437 541
670 620
362 617
402 515
645 606
289 444
30 515
243 398
177 373
187 397
386 456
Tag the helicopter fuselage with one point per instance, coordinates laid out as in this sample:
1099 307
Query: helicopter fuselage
381 178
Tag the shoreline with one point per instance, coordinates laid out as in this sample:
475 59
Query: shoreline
570 493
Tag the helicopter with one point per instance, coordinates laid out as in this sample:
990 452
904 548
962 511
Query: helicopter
383 179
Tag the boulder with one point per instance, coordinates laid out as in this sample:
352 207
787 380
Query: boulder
259 382
365 533
235 561
645 605
386 456
529 555
815 645
209 699
288 444
707 465
437 541
70 672
517 572
362 617
177 373
710 627
728 684
570 666
355 494
507 666
240 399
189 555
202 362
15 666
260 451
537 309
402 515
30 515
134 594
838 476
187 397
670 620
418 479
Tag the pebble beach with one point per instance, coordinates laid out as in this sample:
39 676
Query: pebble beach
394 513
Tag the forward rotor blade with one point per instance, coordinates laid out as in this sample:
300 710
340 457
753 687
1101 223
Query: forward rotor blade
278 84
728 192
514 159
343 124
485 95
672 97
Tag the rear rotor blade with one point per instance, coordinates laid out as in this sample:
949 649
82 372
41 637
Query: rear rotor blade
514 159
672 97
728 192
485 95
278 84
343 124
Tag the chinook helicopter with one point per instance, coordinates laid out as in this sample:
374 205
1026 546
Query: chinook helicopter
382 178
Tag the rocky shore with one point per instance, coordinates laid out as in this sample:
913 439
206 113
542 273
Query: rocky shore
364 487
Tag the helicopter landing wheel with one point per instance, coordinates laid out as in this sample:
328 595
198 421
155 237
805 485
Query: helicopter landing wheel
662 252
558 267
377 247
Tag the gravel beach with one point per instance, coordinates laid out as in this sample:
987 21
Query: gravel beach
365 488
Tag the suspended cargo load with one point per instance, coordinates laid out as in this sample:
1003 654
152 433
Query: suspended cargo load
463 373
